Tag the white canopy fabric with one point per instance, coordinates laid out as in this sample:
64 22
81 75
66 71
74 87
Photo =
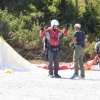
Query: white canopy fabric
9 58
95 67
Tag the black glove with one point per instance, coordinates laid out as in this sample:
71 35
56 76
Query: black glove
67 25
41 26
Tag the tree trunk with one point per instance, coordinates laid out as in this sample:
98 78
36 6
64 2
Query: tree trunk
86 2
76 3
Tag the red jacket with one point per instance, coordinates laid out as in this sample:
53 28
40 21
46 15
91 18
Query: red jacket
53 36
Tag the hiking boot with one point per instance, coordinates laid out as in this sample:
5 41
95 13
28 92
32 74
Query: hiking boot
57 76
51 76
74 76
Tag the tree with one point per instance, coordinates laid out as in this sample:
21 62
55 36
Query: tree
43 6
16 6
76 1
66 11
86 2
90 19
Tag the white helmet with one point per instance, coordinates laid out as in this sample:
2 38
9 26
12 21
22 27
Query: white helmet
77 25
54 22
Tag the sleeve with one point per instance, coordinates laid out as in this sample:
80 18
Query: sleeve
41 33
75 34
65 32
96 46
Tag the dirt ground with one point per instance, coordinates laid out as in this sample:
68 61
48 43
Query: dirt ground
41 62
37 85
38 61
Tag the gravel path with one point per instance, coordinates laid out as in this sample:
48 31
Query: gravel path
37 85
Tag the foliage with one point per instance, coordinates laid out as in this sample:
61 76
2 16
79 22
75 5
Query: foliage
19 22
4 25
90 20
16 6
65 11
90 51
66 51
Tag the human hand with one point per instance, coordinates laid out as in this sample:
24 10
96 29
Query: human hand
67 25
41 26
70 44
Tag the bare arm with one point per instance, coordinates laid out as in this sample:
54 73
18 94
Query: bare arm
72 41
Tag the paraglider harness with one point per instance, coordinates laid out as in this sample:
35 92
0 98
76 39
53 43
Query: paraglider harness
52 48
44 53
47 46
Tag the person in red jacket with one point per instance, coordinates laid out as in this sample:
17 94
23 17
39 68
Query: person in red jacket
52 36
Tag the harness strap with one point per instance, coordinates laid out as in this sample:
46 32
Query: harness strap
55 38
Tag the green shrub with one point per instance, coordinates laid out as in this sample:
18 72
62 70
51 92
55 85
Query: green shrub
90 51
4 25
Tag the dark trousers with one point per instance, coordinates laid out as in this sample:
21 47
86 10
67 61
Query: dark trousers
53 57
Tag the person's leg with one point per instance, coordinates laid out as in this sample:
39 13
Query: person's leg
56 62
50 59
81 63
76 55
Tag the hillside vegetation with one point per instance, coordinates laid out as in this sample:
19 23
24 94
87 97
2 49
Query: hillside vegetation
20 20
